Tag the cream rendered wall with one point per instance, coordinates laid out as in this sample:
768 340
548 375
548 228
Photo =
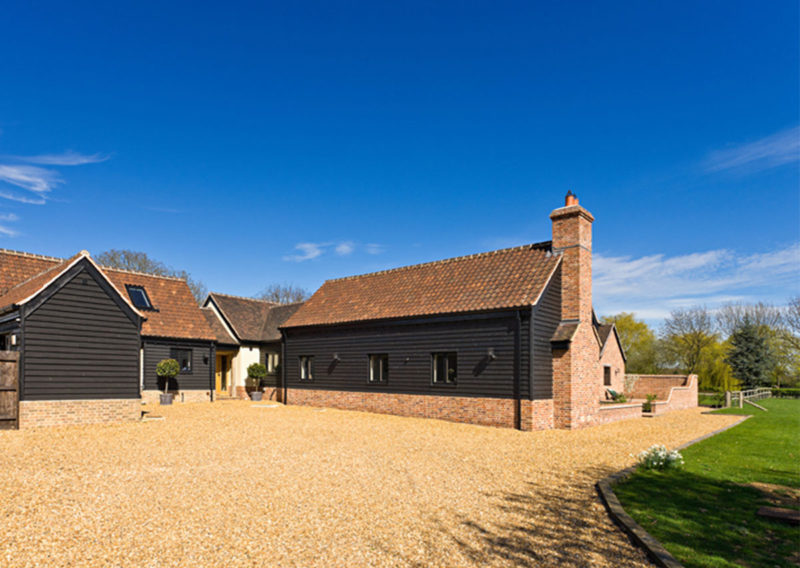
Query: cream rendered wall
245 357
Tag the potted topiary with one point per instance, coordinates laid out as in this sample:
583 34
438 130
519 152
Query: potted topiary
167 369
648 405
255 375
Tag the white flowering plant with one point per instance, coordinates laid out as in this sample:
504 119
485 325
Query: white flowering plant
659 457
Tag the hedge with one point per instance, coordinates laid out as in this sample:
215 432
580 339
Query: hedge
786 393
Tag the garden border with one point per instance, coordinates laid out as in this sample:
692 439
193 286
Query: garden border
640 537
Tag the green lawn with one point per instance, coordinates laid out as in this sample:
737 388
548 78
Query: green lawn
705 513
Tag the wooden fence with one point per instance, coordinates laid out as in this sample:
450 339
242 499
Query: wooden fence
739 397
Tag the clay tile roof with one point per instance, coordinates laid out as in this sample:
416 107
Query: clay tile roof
221 334
276 318
507 278
175 314
603 331
16 266
35 283
564 332
245 315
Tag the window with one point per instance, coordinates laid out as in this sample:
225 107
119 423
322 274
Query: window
607 376
184 359
306 368
139 297
378 368
445 368
273 360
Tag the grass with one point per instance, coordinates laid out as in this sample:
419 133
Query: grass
705 513
711 399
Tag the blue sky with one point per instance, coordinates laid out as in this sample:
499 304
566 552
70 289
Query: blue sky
294 142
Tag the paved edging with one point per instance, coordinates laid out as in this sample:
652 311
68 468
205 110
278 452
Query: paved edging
654 549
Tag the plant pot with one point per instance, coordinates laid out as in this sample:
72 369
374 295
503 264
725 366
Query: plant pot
256 396
166 398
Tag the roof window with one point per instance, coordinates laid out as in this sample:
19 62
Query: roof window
139 297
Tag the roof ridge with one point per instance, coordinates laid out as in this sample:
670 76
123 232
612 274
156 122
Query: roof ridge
30 254
531 246
244 298
138 273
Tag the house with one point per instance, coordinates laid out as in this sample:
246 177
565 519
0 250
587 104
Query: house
503 338
246 332
90 337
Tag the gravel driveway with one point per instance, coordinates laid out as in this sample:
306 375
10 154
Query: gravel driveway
234 484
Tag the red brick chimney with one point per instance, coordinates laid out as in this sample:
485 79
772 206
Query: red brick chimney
577 382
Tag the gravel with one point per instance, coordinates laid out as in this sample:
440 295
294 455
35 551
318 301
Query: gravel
234 484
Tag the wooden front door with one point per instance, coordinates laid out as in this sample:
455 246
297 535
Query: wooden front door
223 374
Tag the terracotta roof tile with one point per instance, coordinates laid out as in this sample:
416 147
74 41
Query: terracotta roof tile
221 334
176 313
16 266
499 279
246 316
34 283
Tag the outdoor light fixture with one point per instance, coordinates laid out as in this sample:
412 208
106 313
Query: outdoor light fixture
490 354
336 357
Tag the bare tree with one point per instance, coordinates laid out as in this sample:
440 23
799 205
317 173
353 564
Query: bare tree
764 316
283 294
140 262
686 333
791 319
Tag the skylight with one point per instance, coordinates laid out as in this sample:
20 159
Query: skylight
139 297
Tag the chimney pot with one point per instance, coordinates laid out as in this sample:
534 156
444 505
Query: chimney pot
571 199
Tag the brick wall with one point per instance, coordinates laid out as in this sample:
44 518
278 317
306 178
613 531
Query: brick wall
660 385
152 396
537 414
613 412
680 397
38 413
577 375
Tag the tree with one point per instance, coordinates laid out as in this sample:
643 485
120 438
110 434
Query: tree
791 319
731 316
140 262
749 355
713 371
283 294
686 333
638 341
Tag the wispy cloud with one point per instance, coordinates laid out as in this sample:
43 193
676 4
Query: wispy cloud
24 180
770 152
4 228
310 251
68 158
345 248
652 286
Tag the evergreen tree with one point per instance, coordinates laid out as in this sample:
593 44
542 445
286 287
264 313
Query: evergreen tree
749 355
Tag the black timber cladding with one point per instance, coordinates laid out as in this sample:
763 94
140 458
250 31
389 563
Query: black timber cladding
409 344
80 341
202 364
546 317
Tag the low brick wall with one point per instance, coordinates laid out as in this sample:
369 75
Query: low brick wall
497 412
38 413
679 398
613 412
660 385
152 396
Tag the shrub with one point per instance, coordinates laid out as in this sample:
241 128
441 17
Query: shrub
786 393
167 369
647 406
619 397
256 373
659 457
